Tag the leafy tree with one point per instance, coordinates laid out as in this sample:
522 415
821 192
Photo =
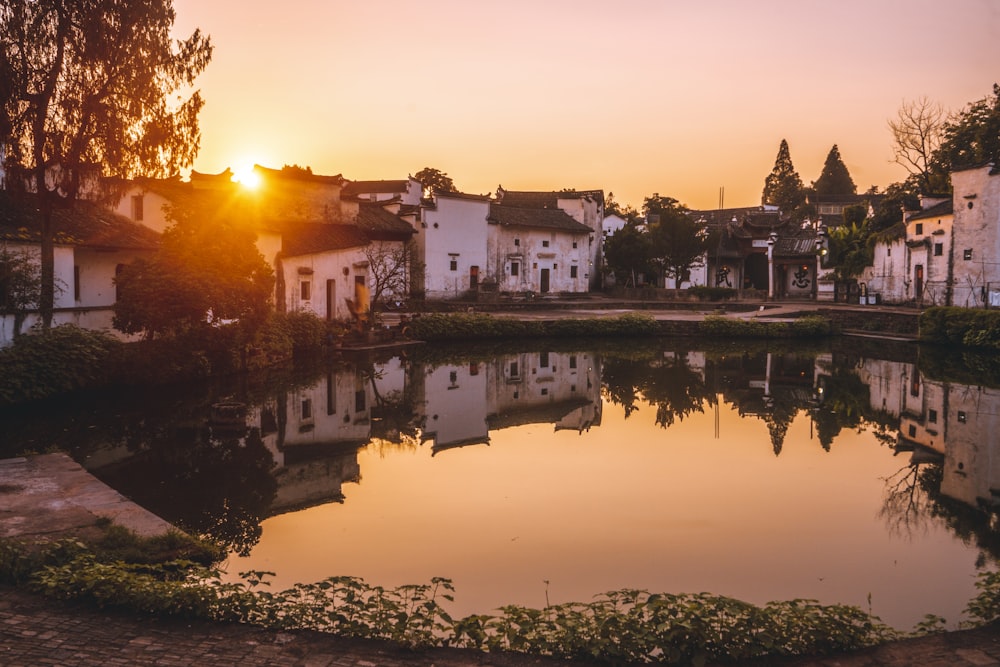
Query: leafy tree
86 83
206 271
916 134
850 250
971 137
20 284
679 242
835 179
627 252
612 207
783 186
435 180
889 209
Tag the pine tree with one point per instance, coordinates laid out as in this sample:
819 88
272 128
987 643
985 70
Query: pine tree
835 179
783 186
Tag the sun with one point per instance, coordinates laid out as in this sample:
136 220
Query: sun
247 176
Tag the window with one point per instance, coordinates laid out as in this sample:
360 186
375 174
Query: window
572 361
515 268
331 394
543 359
913 431
572 271
517 242
360 401
918 228
932 416
307 408
453 264
574 244
137 208
938 249
514 372
545 391
961 416
473 368
967 254
76 282
305 287
545 244
888 251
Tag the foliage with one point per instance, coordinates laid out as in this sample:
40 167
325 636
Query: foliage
731 327
678 240
971 137
475 326
889 209
834 179
628 252
850 249
966 327
20 284
707 293
624 211
667 383
783 187
55 361
205 272
435 180
88 83
985 606
916 134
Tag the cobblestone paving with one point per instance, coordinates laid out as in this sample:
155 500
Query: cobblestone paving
36 632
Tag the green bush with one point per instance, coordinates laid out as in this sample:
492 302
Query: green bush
473 326
50 362
967 327
718 326
706 293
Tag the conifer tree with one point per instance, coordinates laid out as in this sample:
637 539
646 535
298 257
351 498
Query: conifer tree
835 179
783 186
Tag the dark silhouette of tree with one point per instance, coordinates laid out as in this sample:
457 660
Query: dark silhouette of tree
783 186
435 180
627 253
971 137
835 179
916 133
85 89
679 242
20 283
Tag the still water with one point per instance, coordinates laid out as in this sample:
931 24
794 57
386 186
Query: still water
533 475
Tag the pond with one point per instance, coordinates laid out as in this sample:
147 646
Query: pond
551 472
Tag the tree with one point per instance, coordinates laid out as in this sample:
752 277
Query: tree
971 137
916 134
612 207
207 271
627 252
86 83
390 267
835 179
20 284
679 242
783 186
435 180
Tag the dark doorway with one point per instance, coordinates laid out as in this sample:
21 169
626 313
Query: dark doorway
544 282
473 278
918 281
331 298
755 273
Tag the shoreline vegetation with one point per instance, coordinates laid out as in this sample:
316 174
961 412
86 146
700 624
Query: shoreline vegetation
173 575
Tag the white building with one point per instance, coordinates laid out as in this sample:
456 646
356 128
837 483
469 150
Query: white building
451 242
976 240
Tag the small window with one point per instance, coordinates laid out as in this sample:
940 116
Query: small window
913 431
918 228
307 408
961 416
967 254
473 368
137 214
76 282
305 287
888 251
572 361
513 369
938 249
453 377
453 264
360 401
932 416
574 244
515 268
572 271
517 242
545 244
543 359
545 391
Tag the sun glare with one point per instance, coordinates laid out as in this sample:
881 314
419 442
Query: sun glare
246 176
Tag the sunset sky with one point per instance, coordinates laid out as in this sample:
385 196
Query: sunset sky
632 97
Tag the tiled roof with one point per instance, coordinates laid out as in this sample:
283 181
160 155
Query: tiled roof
297 174
85 224
355 188
381 224
531 199
539 218
936 211
306 239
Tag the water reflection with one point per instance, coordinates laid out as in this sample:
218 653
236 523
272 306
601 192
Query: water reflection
228 458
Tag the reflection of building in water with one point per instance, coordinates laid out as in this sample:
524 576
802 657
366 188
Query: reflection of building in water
453 401
545 387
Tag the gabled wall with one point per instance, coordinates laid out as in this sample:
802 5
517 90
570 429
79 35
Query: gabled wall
451 241
976 256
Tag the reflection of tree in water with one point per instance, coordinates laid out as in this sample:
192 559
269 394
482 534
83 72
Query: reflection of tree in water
778 418
846 403
913 499
395 420
218 484
668 384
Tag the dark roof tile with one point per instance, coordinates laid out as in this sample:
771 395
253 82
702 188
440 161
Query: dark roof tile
539 218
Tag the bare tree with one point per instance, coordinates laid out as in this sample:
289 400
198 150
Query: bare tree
390 267
916 134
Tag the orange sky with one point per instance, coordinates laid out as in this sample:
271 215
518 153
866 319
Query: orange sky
633 97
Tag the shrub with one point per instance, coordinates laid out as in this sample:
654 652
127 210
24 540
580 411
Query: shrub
730 327
968 327
706 293
471 326
49 362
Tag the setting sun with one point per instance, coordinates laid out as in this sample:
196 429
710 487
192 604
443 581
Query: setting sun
246 176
